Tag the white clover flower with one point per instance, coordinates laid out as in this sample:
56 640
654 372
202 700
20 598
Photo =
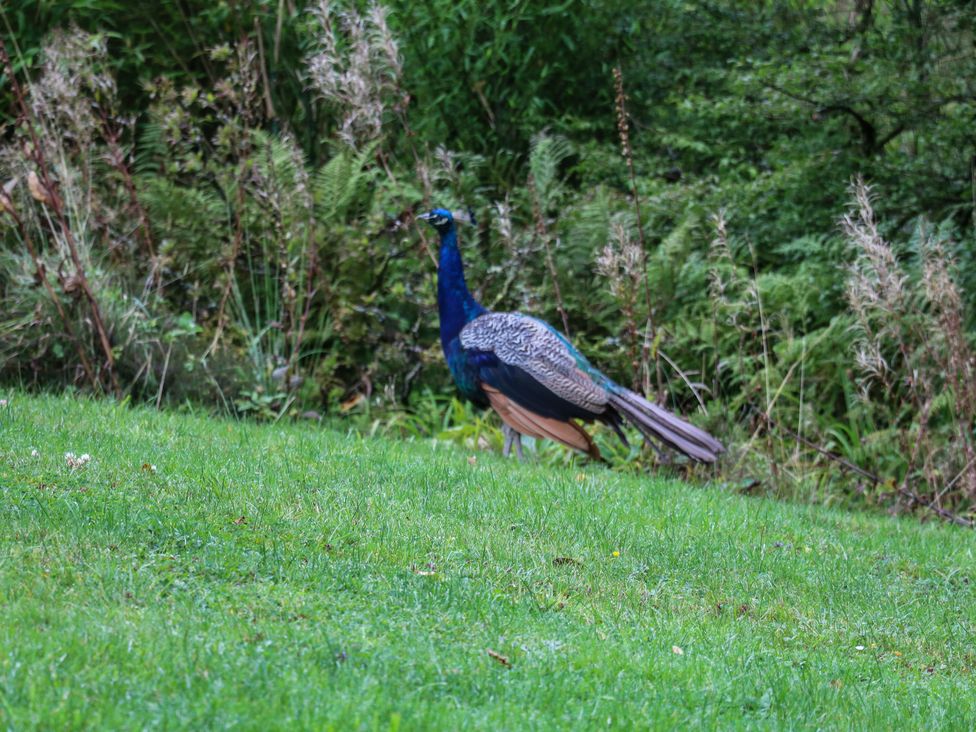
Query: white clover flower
77 462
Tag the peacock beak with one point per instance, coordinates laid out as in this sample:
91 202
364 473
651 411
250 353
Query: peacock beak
426 216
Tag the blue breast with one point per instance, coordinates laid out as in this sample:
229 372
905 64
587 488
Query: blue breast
465 367
457 308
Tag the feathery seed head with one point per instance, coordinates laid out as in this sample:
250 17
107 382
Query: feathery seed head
356 68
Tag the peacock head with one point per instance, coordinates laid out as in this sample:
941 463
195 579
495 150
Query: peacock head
443 220
440 218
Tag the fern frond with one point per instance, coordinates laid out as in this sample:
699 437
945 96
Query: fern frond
546 155
151 148
342 182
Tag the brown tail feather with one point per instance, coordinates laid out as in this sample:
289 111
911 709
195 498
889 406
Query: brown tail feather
670 429
529 423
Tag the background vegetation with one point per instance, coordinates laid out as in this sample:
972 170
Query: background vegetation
212 203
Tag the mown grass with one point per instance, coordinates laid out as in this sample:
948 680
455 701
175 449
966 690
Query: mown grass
273 577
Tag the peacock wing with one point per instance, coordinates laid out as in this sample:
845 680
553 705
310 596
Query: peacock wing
536 366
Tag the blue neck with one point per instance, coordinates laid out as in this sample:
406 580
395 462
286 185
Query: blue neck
454 302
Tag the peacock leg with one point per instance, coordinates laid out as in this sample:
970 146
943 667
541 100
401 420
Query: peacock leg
518 446
512 436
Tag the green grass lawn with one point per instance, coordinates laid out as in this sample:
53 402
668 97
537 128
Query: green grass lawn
285 576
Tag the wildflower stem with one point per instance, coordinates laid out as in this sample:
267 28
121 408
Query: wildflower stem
623 130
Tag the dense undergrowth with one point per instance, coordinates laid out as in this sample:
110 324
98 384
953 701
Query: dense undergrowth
763 216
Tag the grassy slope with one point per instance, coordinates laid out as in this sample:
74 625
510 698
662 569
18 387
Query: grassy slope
138 599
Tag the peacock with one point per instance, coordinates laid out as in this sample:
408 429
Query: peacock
533 377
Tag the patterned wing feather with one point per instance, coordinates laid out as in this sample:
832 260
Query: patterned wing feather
531 345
